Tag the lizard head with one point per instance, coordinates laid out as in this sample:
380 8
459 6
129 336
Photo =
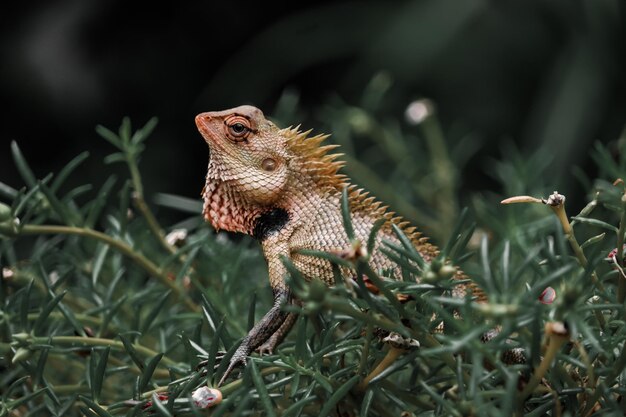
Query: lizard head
258 170
247 153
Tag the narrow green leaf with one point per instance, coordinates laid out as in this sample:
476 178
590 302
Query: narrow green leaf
87 412
67 406
184 204
593 240
125 131
132 352
242 408
41 363
146 375
143 133
346 215
461 243
215 344
189 350
296 408
211 317
29 200
67 170
381 285
191 384
97 377
439 400
101 412
114 157
367 402
109 136
184 268
301 349
261 389
154 312
402 261
45 312
226 359
486 272
124 206
22 166
74 193
65 213
506 258
25 306
108 316
455 234
371 240
13 404
339 393
409 247
7 191
98 262
596 223
97 205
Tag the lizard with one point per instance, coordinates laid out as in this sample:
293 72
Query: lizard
283 186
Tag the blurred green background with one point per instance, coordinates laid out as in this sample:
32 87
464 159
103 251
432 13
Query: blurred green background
534 75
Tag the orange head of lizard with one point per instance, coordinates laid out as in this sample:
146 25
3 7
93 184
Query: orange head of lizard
248 154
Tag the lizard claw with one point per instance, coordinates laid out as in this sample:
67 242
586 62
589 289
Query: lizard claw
267 348
202 364
235 360
239 358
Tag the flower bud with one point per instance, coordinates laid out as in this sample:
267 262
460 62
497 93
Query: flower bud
447 272
21 355
5 213
9 227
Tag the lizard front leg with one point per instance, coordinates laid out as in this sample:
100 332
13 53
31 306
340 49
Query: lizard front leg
271 322
278 336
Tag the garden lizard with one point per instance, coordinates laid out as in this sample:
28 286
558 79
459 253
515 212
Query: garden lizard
283 186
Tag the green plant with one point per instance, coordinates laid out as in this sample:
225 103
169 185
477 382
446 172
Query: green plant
105 312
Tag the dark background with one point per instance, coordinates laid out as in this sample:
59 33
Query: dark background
546 74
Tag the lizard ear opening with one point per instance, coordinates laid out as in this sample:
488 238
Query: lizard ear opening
269 164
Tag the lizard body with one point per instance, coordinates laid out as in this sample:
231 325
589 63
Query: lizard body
283 187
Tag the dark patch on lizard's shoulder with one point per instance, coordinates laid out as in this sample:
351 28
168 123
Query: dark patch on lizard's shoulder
270 222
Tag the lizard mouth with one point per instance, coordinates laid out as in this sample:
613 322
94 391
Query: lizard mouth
204 123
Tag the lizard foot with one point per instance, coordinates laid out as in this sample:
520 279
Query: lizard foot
239 358
218 358
268 347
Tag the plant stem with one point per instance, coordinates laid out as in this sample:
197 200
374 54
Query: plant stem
557 336
142 206
621 284
389 359
559 210
97 341
122 247
154 226
557 204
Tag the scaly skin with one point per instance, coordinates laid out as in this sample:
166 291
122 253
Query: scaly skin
283 187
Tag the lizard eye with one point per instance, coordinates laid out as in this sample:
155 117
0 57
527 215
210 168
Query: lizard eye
237 128
268 164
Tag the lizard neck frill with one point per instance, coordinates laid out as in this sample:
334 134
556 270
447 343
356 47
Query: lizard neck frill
227 210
